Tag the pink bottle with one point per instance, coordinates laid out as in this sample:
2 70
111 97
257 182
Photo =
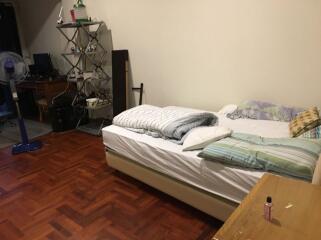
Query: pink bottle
268 209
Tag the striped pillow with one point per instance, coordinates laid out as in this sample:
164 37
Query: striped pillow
289 156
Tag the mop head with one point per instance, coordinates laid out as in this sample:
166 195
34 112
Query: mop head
27 147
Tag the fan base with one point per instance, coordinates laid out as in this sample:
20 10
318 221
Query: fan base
27 147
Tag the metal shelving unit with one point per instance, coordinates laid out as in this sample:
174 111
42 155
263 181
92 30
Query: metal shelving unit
86 54
83 53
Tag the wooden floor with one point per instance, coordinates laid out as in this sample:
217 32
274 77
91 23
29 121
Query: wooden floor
67 191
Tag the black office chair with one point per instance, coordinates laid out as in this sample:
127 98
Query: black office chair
2 97
2 101
4 114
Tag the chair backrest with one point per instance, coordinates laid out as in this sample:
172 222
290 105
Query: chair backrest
49 90
2 97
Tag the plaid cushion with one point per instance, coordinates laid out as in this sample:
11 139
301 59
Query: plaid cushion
314 133
304 122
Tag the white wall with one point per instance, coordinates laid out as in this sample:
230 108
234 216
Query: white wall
38 20
206 53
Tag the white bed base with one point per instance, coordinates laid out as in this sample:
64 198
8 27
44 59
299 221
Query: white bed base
214 205
209 203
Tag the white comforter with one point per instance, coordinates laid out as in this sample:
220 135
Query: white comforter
168 122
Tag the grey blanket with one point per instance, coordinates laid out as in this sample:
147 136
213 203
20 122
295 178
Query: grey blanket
168 122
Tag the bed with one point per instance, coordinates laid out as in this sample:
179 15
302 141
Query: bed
209 186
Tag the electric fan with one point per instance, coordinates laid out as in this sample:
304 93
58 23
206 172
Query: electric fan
13 70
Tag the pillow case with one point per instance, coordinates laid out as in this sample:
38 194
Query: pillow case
304 122
289 156
260 110
200 137
314 133
227 109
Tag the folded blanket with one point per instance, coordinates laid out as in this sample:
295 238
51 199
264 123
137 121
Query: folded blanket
289 156
168 122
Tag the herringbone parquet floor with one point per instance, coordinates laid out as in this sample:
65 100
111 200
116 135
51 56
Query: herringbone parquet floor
67 191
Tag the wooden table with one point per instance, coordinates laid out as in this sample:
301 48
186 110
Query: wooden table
301 221
44 89
43 92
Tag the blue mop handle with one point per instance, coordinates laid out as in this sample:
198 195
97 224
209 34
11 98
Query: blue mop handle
22 127
21 123
24 146
23 131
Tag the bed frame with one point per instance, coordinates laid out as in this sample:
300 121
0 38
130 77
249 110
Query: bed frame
214 205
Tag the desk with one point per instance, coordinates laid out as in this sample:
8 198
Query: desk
43 92
44 89
295 212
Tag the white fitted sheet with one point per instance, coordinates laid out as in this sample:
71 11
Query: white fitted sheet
168 158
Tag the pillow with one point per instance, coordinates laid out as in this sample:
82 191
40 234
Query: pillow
264 111
304 122
200 137
295 157
230 108
314 133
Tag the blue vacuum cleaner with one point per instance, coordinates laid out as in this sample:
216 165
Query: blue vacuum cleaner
25 145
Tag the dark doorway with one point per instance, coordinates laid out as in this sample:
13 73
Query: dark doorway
9 41
9 36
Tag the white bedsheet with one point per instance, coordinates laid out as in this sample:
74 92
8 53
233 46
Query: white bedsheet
168 158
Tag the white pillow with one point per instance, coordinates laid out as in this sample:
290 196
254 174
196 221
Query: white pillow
200 137
228 109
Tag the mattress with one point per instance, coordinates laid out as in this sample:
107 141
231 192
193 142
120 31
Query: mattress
168 158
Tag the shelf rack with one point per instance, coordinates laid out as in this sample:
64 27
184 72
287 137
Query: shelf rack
83 52
78 59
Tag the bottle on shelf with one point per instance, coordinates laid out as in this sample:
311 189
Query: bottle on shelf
80 12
